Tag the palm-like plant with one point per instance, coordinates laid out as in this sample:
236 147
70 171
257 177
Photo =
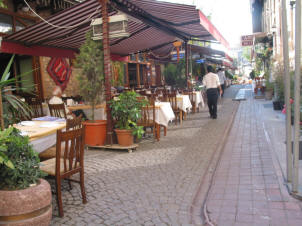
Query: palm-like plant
10 103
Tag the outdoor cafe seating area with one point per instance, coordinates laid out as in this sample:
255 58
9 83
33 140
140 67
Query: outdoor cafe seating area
170 105
55 137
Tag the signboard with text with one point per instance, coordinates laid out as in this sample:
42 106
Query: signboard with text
247 40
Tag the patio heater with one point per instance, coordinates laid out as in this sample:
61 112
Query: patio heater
102 31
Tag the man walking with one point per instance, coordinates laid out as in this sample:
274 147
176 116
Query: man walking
222 79
211 81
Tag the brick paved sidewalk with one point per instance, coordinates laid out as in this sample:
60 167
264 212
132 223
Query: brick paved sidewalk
248 187
155 185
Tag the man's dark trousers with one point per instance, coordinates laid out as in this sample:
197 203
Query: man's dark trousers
212 95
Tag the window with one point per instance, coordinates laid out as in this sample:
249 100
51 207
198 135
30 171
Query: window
11 22
6 24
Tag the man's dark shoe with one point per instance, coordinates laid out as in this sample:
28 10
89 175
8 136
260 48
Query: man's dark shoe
215 117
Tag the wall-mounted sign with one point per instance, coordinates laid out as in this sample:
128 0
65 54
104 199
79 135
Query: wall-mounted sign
247 40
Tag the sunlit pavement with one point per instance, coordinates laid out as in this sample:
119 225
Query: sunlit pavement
248 186
159 184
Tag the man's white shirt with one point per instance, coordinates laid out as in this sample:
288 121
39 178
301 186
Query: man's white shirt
211 80
221 77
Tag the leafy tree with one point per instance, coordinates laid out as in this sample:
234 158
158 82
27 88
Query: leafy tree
91 78
175 74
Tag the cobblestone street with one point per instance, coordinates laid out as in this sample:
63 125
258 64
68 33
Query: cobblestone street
155 185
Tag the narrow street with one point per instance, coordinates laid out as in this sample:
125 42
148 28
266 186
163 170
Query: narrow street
158 184
166 182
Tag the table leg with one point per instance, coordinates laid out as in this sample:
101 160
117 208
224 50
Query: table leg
157 132
180 117
165 130
185 115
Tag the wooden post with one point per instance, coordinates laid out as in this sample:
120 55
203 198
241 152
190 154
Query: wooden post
1 112
138 78
107 69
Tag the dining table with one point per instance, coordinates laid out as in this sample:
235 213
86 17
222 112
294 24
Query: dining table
163 113
184 104
198 99
42 133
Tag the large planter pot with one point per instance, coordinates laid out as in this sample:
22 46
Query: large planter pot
30 206
277 105
95 132
124 137
268 94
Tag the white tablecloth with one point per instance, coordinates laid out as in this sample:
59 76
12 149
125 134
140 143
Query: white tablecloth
198 99
163 113
43 143
184 103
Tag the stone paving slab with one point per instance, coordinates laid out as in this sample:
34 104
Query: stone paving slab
155 185
248 187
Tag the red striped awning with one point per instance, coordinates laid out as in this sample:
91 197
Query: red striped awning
153 24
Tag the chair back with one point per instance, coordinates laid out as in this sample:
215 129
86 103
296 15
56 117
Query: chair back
70 161
173 101
36 107
74 123
148 114
57 110
190 94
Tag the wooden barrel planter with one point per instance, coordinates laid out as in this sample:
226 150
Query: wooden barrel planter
30 206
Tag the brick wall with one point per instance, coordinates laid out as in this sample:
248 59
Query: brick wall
49 84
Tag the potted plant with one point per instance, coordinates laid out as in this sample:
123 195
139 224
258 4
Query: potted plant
25 198
126 112
269 90
91 86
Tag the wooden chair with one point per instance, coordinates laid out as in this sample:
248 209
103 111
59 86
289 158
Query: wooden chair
148 119
71 163
57 110
173 101
36 106
71 124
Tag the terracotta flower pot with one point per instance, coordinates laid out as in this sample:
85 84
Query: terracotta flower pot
95 132
30 206
124 137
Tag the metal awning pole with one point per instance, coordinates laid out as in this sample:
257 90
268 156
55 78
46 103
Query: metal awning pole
186 62
297 94
289 156
107 69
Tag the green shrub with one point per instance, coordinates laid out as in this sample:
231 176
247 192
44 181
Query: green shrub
175 74
23 169
126 110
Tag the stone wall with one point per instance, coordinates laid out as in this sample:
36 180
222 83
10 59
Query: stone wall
49 84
